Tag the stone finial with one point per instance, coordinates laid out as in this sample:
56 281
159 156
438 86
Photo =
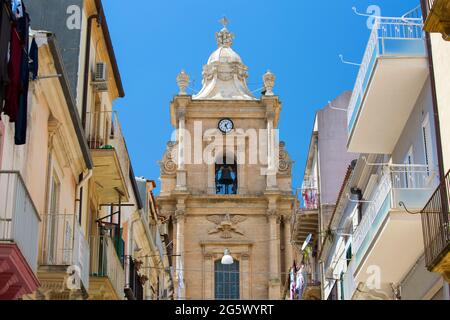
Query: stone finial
269 83
183 82
224 37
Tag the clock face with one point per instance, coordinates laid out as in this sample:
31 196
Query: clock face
226 125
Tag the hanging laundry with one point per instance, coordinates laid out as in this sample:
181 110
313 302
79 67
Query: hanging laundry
17 8
13 88
22 116
292 283
300 283
34 59
5 38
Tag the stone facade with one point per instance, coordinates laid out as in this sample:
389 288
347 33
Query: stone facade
254 223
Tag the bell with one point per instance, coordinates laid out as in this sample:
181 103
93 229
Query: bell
225 176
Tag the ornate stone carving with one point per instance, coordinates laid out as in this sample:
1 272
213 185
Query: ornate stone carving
183 82
224 37
272 213
226 225
168 164
224 76
285 162
179 214
269 83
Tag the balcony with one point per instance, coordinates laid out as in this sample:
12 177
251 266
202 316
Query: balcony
438 17
19 230
436 230
312 287
305 221
110 156
107 280
134 287
64 246
392 74
387 235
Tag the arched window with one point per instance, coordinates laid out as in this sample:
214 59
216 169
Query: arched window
226 177
226 281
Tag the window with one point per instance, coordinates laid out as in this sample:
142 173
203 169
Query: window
226 281
408 171
426 136
226 177
53 219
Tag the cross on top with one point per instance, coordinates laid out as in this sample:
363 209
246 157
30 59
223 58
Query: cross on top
224 21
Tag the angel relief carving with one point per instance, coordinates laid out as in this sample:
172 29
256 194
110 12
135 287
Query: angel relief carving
226 225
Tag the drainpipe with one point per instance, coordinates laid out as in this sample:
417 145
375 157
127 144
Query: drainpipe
87 64
80 185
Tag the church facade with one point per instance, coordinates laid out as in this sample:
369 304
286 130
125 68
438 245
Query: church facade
226 185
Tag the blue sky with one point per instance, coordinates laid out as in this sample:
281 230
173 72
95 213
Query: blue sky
299 41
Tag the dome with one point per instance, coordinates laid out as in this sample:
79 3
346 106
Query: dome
225 75
224 54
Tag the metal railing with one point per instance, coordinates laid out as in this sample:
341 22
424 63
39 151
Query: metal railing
435 224
19 218
106 263
134 281
64 244
397 183
394 37
103 132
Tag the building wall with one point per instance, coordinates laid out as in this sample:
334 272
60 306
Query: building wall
441 53
420 284
412 135
333 156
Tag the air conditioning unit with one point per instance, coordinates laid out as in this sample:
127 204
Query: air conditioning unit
100 81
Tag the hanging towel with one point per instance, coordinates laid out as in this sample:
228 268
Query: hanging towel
5 38
13 87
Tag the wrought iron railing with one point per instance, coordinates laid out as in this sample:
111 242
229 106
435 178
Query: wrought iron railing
398 183
64 244
134 281
106 263
103 132
435 224
19 218
395 37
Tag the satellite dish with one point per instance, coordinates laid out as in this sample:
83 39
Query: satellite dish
307 241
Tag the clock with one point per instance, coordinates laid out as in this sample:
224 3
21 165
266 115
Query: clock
226 125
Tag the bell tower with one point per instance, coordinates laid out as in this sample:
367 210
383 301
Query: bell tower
226 184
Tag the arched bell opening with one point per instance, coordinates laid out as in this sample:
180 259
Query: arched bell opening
226 176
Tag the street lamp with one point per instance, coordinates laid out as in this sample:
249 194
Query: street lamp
227 259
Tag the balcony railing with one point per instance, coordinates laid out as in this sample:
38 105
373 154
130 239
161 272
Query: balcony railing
134 286
398 183
435 223
106 263
64 245
394 37
19 218
103 132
